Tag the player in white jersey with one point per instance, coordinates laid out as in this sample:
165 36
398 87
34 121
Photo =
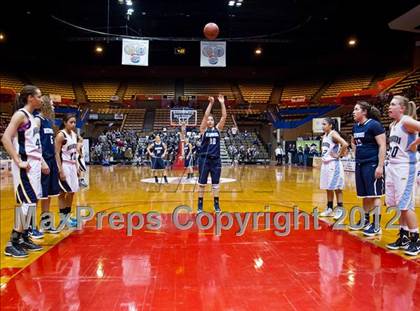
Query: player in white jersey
332 171
22 142
401 172
66 156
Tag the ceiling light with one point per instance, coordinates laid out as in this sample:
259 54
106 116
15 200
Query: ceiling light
2 36
129 2
99 49
130 11
258 51
238 4
231 3
352 42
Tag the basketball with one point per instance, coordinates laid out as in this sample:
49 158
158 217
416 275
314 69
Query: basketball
211 31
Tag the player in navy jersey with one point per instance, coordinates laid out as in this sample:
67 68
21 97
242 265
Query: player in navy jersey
401 172
209 155
22 142
157 152
369 141
49 182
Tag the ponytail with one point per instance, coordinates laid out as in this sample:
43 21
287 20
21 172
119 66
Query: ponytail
412 109
374 114
22 96
410 106
334 124
371 111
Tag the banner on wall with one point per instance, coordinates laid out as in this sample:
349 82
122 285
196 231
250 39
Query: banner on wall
118 116
298 99
213 54
317 124
135 52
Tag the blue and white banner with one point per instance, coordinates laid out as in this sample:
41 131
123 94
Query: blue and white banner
213 54
135 52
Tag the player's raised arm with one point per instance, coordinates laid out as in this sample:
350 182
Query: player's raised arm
222 121
203 124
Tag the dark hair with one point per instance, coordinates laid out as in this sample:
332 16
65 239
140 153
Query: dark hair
22 97
371 111
332 122
67 117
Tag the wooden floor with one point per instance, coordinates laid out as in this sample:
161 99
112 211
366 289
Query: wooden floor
254 189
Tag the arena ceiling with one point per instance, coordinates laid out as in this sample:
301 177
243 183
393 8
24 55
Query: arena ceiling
286 29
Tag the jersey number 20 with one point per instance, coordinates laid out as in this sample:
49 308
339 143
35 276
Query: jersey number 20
394 152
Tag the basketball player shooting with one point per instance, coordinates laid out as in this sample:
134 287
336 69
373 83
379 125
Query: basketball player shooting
209 161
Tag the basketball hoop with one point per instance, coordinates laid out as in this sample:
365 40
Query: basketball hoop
183 117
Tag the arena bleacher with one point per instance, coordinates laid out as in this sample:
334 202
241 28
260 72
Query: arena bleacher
342 84
56 86
100 91
149 88
256 93
8 80
195 88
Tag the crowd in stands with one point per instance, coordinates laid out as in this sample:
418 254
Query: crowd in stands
130 147
243 147
292 155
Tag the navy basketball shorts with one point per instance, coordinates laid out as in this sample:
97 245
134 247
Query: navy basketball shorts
158 164
212 166
367 185
49 183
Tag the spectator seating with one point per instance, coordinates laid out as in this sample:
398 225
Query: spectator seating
206 88
100 91
150 88
254 93
342 84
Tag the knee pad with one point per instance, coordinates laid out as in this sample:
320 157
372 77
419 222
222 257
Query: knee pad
215 187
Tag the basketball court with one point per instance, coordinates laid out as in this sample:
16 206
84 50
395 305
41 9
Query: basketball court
171 269
268 100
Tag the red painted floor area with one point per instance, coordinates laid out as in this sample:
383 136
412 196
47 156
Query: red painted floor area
195 270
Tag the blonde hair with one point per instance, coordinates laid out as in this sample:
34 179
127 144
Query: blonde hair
46 108
409 105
